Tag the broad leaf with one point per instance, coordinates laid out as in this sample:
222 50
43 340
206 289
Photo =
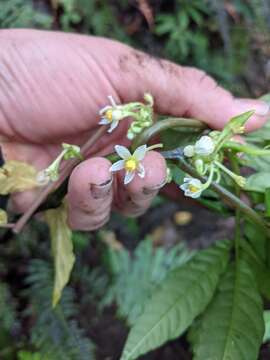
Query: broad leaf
17 176
232 327
258 182
62 249
182 296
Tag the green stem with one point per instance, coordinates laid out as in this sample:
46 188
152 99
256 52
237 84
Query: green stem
226 195
237 236
248 149
169 123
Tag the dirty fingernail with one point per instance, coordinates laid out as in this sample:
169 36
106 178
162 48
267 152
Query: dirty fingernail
101 190
261 108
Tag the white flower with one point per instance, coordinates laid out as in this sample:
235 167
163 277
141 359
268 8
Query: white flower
111 114
204 146
131 163
189 150
192 187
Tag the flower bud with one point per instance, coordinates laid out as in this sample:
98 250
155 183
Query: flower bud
189 150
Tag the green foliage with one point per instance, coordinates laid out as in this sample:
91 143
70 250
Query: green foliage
20 13
180 298
135 278
232 326
7 309
55 333
258 182
26 355
181 39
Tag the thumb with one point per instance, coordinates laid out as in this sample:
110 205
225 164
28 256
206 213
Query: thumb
183 91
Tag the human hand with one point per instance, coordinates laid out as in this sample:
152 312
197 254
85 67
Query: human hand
51 88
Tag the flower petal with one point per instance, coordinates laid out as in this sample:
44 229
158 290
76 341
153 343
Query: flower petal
129 176
184 186
104 109
118 165
113 125
111 99
122 151
141 171
104 121
140 152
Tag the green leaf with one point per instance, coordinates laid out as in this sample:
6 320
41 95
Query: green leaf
182 296
173 138
232 327
237 122
177 174
266 317
62 249
267 201
258 182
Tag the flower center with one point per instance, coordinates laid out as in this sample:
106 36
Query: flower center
109 115
130 164
193 188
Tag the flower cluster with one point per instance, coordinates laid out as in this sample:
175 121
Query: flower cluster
204 156
141 114
51 173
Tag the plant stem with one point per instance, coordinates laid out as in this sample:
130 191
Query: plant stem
165 124
248 149
52 186
237 235
226 195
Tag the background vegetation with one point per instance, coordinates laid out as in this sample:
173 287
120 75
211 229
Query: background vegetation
228 39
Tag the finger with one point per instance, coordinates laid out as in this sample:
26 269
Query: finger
183 91
90 194
135 198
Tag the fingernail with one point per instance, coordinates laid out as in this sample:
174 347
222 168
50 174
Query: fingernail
101 190
153 189
261 108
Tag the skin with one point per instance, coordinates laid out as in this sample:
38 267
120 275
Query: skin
52 86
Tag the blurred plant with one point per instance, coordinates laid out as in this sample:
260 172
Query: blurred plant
20 13
134 278
55 333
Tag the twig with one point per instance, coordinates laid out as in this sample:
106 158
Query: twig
169 123
7 226
52 186
225 194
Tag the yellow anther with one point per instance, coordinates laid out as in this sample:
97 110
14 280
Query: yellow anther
109 115
130 165
193 188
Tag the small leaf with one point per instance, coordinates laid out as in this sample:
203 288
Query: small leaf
258 182
62 249
237 122
17 176
182 296
232 327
